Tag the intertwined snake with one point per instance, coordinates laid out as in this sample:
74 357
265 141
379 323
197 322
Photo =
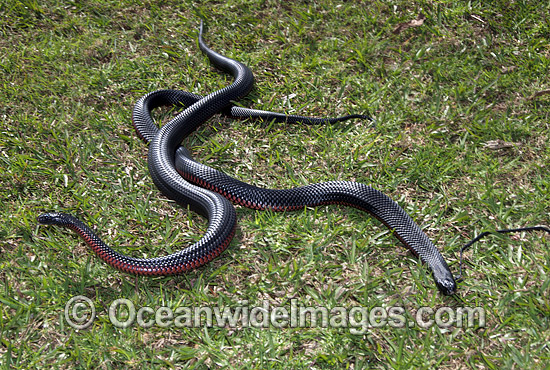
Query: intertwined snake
208 191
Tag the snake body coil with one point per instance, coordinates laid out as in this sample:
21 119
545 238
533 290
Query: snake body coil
189 182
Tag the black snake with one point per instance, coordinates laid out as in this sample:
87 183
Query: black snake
207 191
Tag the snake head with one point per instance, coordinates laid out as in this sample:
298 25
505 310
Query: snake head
53 218
446 285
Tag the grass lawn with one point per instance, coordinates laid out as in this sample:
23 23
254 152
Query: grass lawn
461 96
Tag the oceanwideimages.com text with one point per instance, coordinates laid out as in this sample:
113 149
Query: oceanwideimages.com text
80 313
